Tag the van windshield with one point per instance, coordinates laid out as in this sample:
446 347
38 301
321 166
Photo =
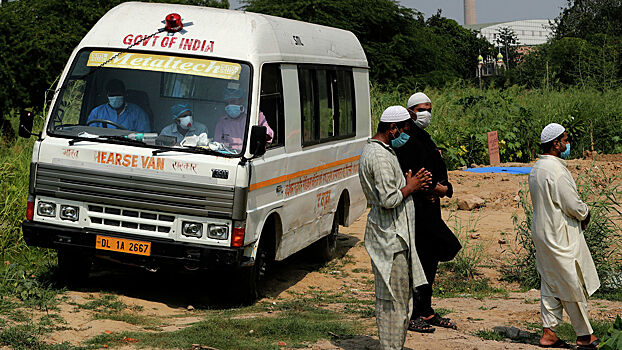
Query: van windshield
161 100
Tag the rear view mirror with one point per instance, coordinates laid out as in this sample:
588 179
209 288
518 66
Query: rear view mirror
257 146
26 118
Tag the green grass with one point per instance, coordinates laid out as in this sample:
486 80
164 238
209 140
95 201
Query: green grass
109 307
489 335
448 286
296 327
28 336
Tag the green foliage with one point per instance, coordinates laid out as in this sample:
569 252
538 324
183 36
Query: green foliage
507 41
613 339
392 37
469 258
582 18
584 51
462 115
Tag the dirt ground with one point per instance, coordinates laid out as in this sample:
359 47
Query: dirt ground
294 277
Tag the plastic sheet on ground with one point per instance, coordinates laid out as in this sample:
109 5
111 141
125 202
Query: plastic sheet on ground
517 170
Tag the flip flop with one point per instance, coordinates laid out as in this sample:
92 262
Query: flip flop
439 321
560 344
420 325
591 346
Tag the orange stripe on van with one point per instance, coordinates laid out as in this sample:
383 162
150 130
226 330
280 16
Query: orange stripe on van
301 173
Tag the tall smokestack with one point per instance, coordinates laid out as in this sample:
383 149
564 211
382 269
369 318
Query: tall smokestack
469 12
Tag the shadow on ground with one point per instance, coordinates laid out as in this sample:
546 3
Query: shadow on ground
359 342
201 289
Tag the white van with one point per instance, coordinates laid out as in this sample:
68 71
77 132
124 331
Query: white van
268 164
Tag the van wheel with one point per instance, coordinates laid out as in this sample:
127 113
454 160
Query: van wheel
326 248
251 279
73 267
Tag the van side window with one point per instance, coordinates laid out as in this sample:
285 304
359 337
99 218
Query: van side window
271 102
327 103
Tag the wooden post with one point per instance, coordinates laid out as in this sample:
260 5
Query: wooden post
493 148
592 138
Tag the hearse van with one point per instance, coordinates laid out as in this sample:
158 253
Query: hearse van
268 164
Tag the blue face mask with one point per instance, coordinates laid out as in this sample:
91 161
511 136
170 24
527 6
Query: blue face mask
400 140
234 111
566 152
115 101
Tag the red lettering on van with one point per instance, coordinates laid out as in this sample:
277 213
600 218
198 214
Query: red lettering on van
188 44
128 39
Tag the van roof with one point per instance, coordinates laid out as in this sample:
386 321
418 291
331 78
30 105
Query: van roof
229 34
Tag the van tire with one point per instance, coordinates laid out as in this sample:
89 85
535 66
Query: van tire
249 286
73 267
326 247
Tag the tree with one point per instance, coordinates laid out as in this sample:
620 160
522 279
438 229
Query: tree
507 40
582 18
402 48
586 48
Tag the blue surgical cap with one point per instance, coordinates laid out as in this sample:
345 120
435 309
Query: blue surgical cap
179 108
229 94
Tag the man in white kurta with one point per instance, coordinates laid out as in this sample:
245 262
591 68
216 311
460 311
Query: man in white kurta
390 230
563 259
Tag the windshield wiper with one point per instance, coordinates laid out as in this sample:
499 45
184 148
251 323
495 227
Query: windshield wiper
114 138
181 149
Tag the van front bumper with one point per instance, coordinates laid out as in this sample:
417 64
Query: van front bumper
163 251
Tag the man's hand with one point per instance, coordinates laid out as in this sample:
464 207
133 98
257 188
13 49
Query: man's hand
440 190
421 181
586 221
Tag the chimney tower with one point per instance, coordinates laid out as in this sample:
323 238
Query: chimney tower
469 12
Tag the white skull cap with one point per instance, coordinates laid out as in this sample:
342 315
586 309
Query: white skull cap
418 98
394 114
551 132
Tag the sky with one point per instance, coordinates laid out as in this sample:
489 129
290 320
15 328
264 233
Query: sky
487 10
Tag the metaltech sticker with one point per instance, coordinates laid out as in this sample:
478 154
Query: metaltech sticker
163 63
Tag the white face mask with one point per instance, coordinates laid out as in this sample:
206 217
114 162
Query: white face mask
423 119
185 122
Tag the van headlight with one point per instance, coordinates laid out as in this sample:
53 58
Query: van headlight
218 232
46 209
69 212
192 229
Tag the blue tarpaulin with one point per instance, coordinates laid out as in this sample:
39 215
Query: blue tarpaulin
502 169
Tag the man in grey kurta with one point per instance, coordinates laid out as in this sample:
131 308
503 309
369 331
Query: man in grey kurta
389 234
563 259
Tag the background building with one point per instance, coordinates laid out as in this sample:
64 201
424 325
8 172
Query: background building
529 32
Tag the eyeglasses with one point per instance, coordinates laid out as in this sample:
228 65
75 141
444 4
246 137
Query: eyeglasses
424 109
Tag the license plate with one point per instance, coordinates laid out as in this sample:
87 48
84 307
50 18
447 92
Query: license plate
123 245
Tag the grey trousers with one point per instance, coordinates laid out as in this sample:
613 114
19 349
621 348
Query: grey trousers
392 316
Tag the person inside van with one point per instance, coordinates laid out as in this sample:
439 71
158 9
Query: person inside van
118 111
231 127
183 124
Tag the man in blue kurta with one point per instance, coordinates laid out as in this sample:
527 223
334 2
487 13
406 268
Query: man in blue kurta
118 110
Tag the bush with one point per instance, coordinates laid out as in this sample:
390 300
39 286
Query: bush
462 115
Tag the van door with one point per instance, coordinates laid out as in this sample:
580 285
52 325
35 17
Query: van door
266 190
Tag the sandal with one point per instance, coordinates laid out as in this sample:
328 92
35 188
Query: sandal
421 326
559 344
590 346
439 321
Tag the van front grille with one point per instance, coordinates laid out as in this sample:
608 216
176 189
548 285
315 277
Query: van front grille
126 195
140 221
